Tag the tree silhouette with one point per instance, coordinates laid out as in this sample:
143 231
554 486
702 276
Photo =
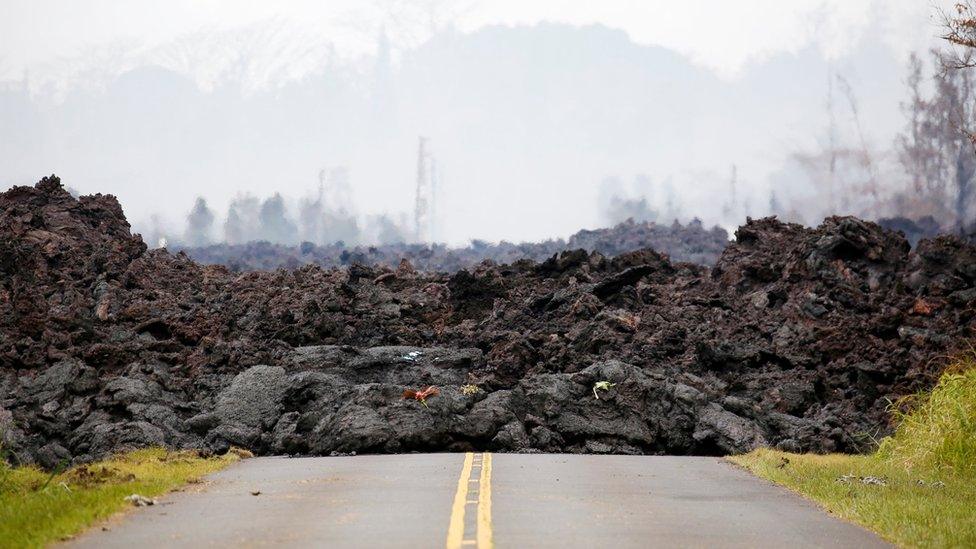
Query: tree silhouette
274 222
937 146
199 224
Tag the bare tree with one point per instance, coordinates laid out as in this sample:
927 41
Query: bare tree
413 21
839 175
832 146
937 147
864 153
915 150
960 32
249 57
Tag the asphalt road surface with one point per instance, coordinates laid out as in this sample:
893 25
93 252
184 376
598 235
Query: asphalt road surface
479 501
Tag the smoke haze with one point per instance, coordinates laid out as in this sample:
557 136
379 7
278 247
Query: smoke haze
539 121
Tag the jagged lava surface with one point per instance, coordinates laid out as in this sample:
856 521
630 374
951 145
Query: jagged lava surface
798 338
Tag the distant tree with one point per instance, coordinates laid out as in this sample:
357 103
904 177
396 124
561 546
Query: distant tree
775 208
242 220
916 151
960 32
389 231
838 175
233 227
414 21
937 145
618 204
199 224
329 216
274 223
672 203
730 207
340 226
862 151
621 209
156 234
310 216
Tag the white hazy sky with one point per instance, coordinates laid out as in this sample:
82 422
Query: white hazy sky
768 107
721 34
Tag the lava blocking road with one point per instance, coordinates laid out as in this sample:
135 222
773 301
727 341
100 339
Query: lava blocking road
797 339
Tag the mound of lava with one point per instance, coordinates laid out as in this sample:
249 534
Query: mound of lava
797 338
692 243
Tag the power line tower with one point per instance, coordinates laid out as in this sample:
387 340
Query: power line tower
424 210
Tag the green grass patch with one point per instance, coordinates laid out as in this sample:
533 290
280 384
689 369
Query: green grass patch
38 508
918 489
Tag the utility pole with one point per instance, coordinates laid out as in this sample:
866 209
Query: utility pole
426 187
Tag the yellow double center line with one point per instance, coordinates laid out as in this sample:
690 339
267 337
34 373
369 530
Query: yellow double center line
474 488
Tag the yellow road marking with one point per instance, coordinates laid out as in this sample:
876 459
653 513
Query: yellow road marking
455 532
484 505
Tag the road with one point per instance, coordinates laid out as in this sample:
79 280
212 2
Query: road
480 500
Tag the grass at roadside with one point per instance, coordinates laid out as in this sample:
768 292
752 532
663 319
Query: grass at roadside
918 489
38 508
903 512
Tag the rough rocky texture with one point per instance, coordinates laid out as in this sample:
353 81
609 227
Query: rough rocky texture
796 338
692 243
